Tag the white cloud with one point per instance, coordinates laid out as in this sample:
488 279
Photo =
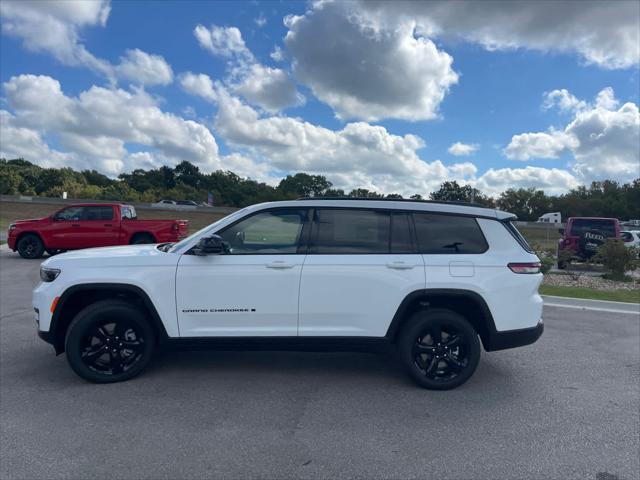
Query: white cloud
463 149
277 55
539 145
224 42
603 139
563 100
95 126
144 69
22 142
200 85
602 33
270 88
359 155
552 180
54 27
365 68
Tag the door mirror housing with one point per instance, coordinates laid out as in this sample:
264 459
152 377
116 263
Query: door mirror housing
561 231
213 245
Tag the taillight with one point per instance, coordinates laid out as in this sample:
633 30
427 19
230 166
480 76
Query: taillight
533 267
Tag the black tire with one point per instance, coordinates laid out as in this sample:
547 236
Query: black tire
562 265
439 348
30 246
109 341
140 238
53 251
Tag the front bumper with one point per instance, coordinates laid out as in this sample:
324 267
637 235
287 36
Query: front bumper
11 242
513 338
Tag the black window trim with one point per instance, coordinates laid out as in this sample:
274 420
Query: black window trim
303 240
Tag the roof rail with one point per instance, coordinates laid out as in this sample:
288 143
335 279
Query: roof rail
410 200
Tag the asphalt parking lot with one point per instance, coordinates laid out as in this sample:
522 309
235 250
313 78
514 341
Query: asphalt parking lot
565 407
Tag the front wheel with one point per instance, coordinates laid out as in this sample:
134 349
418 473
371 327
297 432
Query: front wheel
109 341
30 246
439 348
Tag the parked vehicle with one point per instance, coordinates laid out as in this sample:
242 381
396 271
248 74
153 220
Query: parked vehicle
175 204
631 224
187 203
431 279
164 204
582 236
553 217
90 225
631 238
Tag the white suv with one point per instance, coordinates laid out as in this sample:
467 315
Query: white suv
429 279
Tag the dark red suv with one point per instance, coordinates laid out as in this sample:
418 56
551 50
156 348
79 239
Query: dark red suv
583 235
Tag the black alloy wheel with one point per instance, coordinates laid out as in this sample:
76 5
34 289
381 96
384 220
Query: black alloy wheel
109 341
440 349
30 246
112 347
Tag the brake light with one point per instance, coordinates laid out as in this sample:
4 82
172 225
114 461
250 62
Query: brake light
533 267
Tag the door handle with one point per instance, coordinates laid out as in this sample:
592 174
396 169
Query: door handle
108 225
75 224
399 265
279 264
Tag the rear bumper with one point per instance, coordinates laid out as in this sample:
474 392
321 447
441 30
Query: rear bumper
513 338
11 242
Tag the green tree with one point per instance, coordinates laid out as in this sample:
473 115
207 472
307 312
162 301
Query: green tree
304 185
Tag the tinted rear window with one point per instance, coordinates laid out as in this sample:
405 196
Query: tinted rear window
98 213
582 225
447 234
351 231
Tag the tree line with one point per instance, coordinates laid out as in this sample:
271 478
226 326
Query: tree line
186 182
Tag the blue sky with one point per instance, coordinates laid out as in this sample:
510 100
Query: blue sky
371 95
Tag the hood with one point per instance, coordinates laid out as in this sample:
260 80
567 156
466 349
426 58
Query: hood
30 220
108 257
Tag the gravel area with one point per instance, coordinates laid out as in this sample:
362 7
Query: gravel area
579 279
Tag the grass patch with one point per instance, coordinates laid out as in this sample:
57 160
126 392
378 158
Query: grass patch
631 296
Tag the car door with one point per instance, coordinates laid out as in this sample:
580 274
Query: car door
360 265
253 289
65 227
98 226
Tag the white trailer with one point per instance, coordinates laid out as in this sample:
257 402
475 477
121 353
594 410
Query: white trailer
552 217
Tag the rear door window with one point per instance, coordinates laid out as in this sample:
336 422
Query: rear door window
351 231
448 234
97 213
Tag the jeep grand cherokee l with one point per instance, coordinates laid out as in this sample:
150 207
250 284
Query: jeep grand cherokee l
432 280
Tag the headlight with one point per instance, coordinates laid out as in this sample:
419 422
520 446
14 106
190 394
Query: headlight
49 274
12 226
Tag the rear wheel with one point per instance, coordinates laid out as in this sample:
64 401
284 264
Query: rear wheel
439 348
30 246
109 341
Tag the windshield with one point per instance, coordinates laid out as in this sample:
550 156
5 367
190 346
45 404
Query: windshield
177 246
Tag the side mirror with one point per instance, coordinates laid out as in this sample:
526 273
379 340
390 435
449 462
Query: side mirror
561 231
213 245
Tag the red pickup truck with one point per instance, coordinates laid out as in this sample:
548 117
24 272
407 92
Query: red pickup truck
87 225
